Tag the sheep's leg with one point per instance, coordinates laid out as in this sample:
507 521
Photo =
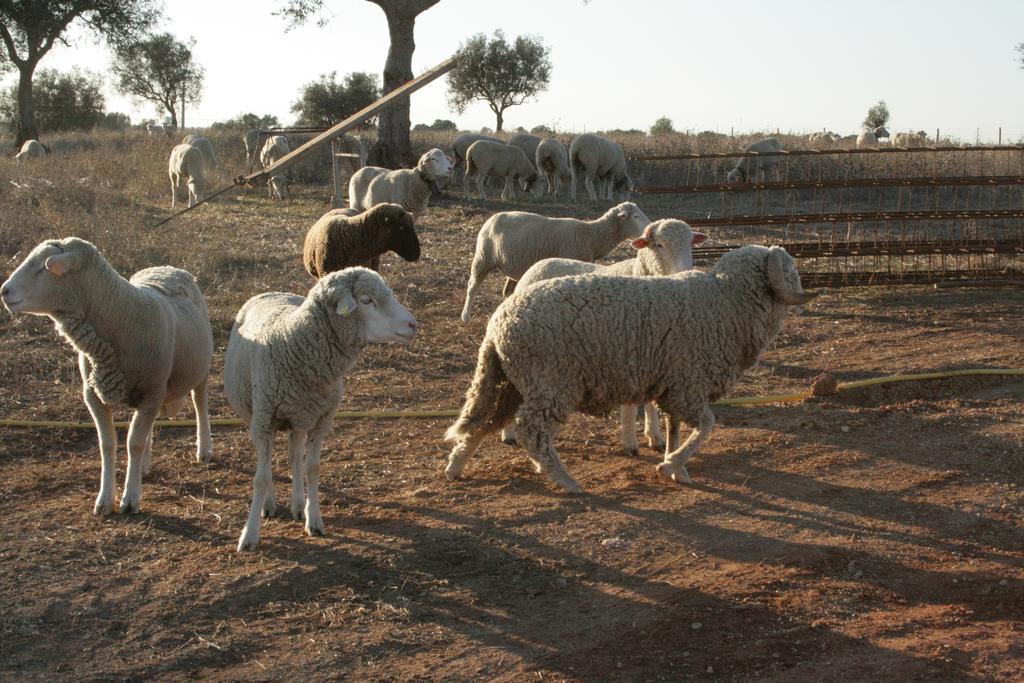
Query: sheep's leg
204 441
147 455
537 430
652 427
174 191
480 186
627 429
506 190
314 522
107 434
572 183
139 432
262 486
297 453
674 467
510 286
588 181
462 452
476 278
508 435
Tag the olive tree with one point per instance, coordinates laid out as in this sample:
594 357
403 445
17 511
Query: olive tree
878 115
30 28
326 101
498 73
159 69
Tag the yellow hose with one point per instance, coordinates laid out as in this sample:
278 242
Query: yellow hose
395 414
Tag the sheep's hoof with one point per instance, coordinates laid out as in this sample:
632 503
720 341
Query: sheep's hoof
509 440
633 451
668 475
269 508
451 473
297 511
128 506
204 458
104 505
465 317
656 444
573 488
248 541
315 527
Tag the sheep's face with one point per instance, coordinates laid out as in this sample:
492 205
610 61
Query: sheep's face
671 241
784 279
44 282
196 186
736 175
881 132
631 218
369 298
623 183
530 180
402 228
435 164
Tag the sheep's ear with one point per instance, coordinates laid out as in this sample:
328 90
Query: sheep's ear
698 238
640 243
60 264
346 304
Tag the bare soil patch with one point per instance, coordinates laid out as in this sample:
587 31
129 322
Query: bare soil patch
873 534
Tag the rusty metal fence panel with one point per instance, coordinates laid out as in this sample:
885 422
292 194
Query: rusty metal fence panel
868 216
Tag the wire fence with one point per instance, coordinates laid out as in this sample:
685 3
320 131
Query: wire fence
877 216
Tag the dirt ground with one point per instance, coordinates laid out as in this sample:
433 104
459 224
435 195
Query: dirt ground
874 534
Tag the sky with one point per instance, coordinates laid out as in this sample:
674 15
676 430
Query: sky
743 66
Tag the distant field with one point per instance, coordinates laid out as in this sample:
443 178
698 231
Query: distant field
875 534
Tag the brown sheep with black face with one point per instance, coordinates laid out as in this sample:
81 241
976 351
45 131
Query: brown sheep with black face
343 238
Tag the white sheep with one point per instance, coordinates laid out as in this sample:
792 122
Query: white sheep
526 142
283 371
204 145
251 140
822 138
31 149
154 129
512 241
740 172
664 248
274 149
459 148
143 344
409 187
552 162
186 161
869 137
589 343
598 159
485 158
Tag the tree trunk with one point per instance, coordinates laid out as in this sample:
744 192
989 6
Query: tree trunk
393 148
174 117
501 120
27 128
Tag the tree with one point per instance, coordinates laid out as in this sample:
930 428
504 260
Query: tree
159 69
393 147
62 101
1020 54
115 121
543 130
248 121
30 28
662 126
325 102
877 116
500 74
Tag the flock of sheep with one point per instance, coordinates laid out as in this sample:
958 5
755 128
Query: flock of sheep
569 336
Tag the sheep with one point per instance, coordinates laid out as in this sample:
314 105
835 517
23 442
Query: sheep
186 160
822 139
144 343
512 241
410 187
601 159
552 162
909 140
589 343
664 248
204 145
154 129
740 172
526 142
251 140
283 371
31 149
338 240
870 137
461 146
485 158
274 149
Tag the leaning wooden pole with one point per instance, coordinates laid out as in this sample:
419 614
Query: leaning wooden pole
257 177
